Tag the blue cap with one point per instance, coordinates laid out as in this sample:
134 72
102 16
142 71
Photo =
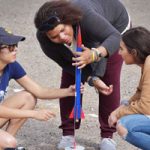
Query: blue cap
8 38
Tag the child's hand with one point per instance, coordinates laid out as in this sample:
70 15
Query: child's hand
112 120
43 115
72 89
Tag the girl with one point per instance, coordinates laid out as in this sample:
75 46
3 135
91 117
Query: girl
15 109
133 117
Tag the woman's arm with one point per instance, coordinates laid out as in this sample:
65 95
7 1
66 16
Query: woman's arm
43 92
98 30
101 31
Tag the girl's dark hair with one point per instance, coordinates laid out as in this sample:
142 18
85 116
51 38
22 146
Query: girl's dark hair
63 9
138 39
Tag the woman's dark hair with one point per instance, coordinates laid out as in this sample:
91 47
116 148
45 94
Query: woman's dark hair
138 39
62 9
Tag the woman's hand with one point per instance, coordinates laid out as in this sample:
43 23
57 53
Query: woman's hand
112 120
43 115
83 58
102 87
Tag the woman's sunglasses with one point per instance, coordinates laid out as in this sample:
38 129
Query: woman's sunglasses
11 48
49 24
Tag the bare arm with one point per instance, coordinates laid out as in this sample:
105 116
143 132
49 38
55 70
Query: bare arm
44 92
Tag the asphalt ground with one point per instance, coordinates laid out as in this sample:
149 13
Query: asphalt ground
35 135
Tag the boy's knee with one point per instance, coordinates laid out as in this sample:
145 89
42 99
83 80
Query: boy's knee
30 100
122 131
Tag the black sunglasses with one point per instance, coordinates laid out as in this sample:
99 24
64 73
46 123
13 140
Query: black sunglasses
11 48
50 24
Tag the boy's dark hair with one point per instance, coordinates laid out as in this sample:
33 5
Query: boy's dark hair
138 39
63 9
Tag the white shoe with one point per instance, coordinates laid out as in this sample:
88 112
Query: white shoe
66 141
108 144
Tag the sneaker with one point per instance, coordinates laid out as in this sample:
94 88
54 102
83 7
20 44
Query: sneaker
66 141
108 144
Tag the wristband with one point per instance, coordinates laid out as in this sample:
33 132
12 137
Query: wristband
98 53
93 56
93 78
90 82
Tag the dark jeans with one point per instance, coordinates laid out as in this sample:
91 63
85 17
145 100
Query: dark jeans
106 103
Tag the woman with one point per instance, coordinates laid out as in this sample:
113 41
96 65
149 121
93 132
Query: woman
15 109
100 23
133 118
